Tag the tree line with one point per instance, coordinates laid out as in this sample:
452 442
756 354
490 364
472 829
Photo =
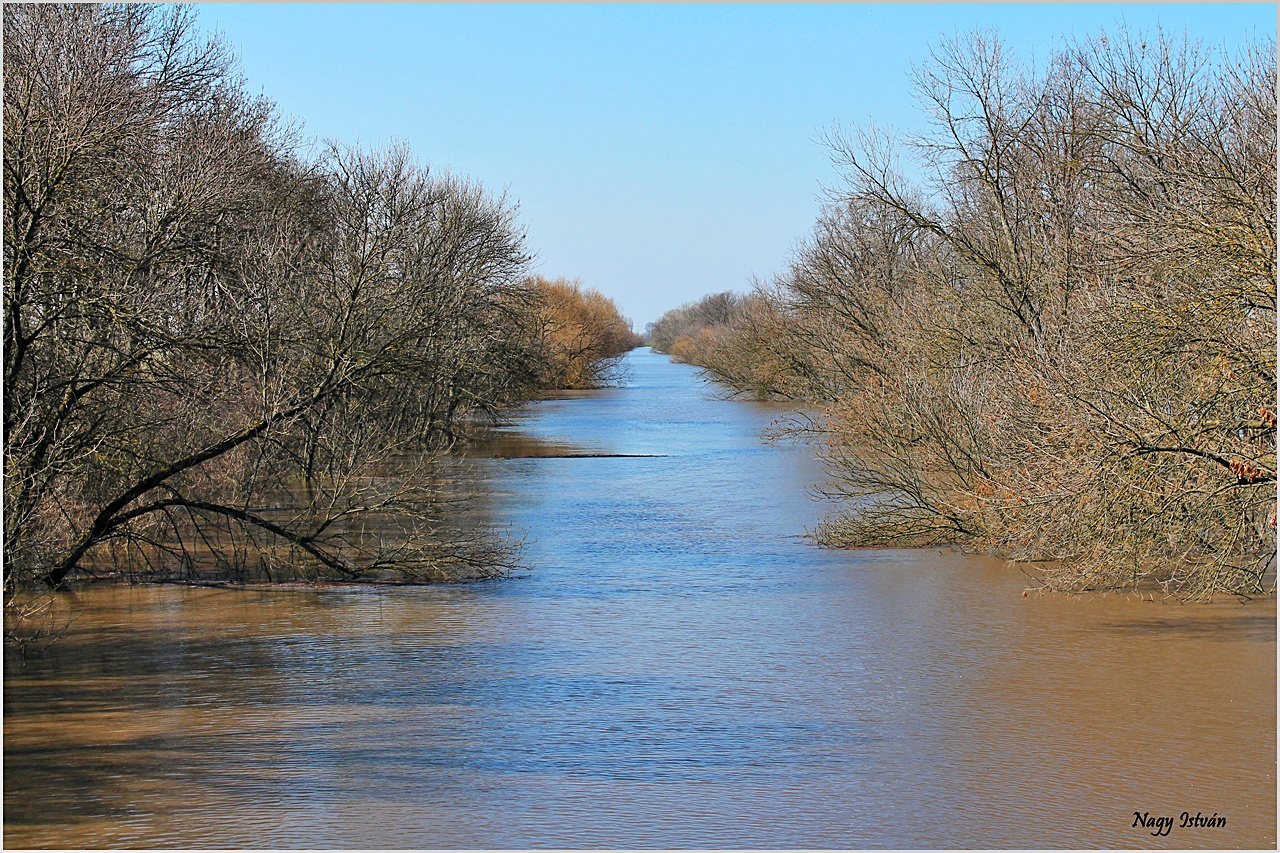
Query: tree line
225 353
1059 344
584 333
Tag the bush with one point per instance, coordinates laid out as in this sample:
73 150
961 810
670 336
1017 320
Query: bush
1062 349
583 335
222 358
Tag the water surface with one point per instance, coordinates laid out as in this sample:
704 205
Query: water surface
680 668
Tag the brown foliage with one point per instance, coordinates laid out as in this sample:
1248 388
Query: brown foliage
1062 348
712 311
583 335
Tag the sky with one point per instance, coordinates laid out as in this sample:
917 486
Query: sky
658 152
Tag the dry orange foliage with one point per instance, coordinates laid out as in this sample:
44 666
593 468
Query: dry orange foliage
583 334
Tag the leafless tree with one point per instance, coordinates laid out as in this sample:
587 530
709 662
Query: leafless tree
1061 347
220 357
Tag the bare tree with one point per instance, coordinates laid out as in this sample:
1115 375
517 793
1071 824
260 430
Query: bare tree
1061 348
716 309
219 357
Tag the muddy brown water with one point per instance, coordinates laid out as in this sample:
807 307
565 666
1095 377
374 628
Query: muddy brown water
679 668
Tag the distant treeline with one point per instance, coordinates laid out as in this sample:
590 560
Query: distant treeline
683 332
222 355
584 335
1061 346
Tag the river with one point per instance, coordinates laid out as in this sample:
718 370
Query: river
680 667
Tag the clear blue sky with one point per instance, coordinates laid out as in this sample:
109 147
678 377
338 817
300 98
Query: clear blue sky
658 152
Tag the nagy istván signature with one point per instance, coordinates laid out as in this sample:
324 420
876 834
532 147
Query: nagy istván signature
1164 824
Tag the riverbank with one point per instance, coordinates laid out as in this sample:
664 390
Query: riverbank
680 668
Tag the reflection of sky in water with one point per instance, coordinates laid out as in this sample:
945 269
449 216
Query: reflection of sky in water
680 668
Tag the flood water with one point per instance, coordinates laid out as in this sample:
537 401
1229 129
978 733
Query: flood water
679 668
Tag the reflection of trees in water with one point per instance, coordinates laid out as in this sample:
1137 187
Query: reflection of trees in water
415 518
218 354
1061 346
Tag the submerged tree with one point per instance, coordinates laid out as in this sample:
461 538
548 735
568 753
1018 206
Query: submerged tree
1062 347
583 335
217 354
